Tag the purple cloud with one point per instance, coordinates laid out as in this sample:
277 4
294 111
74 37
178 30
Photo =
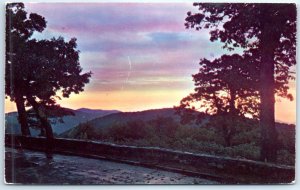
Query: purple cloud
163 53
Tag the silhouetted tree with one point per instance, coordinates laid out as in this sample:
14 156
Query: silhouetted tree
227 89
54 113
270 31
41 69
19 29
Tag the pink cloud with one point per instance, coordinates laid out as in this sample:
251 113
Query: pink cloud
77 18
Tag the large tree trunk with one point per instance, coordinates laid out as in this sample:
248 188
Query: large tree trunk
229 122
267 96
227 134
22 116
45 123
267 118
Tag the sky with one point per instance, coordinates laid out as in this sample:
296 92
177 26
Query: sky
140 54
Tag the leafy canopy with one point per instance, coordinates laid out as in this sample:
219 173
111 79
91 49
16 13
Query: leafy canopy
39 69
242 25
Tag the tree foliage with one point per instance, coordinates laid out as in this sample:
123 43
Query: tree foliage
56 68
242 25
38 71
225 87
227 84
19 29
267 32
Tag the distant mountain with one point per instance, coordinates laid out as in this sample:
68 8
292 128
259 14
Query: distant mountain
111 120
82 115
99 119
124 117
12 125
97 111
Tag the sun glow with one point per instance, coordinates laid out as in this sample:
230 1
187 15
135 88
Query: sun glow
146 64
137 100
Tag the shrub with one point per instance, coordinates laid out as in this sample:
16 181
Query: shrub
166 133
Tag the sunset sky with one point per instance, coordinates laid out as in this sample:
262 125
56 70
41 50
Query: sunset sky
141 55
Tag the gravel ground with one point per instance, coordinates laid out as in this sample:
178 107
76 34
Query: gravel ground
32 167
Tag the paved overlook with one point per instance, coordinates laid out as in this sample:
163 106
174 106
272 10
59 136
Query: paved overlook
32 167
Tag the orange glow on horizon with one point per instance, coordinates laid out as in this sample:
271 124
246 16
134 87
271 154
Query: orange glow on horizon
119 100
285 110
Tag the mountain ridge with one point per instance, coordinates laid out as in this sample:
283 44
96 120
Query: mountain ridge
99 118
12 126
114 119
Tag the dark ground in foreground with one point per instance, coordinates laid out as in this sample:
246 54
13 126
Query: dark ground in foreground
32 167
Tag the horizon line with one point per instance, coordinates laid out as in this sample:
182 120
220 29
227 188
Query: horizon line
75 109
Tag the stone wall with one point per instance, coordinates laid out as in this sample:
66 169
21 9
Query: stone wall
224 169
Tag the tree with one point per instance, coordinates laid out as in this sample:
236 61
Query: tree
227 89
41 70
54 113
269 30
19 28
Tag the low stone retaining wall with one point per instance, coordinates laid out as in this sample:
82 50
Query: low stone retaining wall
224 169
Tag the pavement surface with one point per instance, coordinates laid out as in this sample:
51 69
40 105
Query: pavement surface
31 167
